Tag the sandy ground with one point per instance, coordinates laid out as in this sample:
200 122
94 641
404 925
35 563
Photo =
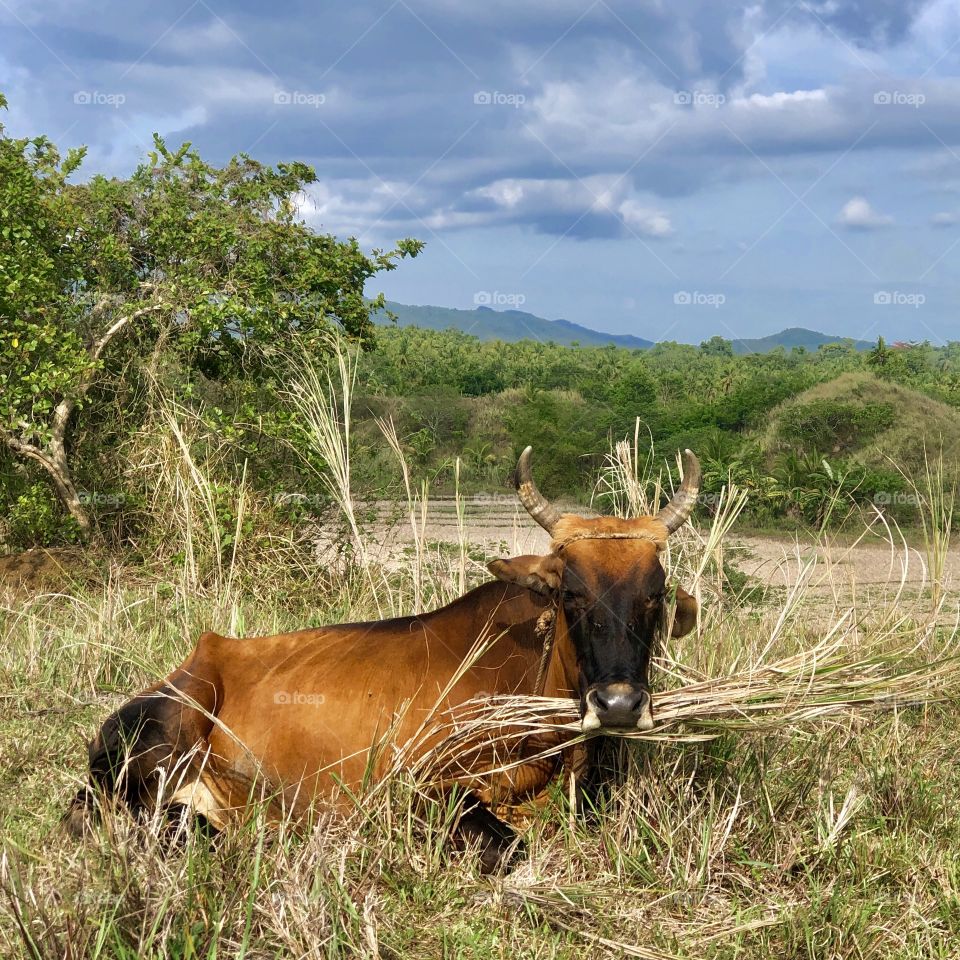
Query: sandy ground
496 525
499 526
871 561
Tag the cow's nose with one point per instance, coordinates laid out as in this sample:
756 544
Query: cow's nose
618 705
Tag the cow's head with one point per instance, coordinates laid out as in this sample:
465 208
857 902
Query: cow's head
606 577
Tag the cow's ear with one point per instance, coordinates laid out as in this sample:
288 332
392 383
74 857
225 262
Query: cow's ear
540 574
685 617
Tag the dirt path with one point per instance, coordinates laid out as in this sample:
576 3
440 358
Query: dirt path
497 525
778 561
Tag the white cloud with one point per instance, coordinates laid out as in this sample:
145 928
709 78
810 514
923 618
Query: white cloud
781 100
346 206
609 198
644 220
682 138
857 214
945 218
504 193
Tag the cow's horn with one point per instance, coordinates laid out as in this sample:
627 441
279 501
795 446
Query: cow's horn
678 510
538 506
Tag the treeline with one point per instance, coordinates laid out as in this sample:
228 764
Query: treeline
456 396
795 428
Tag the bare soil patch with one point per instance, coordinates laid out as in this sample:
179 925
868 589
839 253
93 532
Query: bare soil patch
496 526
43 569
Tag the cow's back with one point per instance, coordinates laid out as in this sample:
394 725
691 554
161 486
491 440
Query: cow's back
304 709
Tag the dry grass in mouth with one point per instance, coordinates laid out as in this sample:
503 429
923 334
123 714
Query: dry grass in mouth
806 688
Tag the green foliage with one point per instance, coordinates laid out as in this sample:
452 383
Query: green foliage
211 269
717 347
757 420
565 428
633 389
833 425
41 333
33 519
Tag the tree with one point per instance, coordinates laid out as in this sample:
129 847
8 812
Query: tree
717 347
213 262
886 362
634 390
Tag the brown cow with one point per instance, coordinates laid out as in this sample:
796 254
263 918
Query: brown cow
299 714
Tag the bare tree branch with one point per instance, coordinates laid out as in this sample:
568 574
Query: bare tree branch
53 458
64 409
20 446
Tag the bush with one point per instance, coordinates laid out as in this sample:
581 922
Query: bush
34 519
833 425
568 433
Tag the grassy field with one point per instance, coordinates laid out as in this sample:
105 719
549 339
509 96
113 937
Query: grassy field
838 838
749 835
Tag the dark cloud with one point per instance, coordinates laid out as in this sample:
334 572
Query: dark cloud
866 22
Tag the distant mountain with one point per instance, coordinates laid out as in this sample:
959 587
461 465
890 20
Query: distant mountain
508 325
513 325
794 337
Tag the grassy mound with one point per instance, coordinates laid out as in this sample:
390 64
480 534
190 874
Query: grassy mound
873 422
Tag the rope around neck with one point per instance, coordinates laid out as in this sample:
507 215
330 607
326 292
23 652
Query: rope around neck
546 630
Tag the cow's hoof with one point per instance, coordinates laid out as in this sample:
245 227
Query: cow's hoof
499 846
82 816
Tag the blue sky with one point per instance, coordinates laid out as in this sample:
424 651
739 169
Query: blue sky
667 169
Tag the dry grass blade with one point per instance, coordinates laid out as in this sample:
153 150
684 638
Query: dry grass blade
323 400
416 508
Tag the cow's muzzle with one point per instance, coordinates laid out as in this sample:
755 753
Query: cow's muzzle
617 705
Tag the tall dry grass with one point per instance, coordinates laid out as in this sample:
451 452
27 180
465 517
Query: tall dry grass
936 494
322 394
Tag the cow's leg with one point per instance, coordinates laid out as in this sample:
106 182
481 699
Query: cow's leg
605 770
157 728
499 845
